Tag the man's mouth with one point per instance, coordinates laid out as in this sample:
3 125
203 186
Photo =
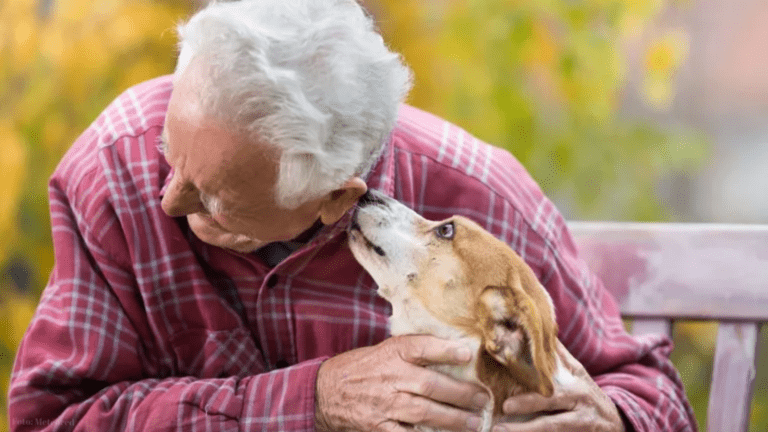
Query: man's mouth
205 217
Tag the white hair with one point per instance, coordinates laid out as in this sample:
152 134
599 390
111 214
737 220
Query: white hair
311 77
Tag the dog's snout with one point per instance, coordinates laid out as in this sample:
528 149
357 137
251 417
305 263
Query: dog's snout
355 225
370 198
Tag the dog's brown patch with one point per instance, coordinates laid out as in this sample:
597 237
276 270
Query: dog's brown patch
478 284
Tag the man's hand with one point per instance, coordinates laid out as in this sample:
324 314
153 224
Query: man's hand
578 406
387 388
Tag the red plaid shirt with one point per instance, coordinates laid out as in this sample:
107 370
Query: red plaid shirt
144 327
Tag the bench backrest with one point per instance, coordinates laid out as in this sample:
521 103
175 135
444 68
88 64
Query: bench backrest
660 272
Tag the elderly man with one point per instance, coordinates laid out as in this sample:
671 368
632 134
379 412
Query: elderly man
206 283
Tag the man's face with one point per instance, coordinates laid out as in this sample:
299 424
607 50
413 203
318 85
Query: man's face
211 164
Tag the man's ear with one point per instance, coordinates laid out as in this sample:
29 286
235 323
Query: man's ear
514 336
339 201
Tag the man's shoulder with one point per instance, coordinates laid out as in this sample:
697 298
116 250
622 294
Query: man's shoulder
421 132
448 170
117 152
135 111
445 146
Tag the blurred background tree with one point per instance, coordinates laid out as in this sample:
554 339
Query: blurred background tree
543 79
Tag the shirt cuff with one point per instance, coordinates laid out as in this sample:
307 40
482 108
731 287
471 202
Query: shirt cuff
311 393
626 405
283 399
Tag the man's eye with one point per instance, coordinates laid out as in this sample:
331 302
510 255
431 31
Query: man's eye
445 231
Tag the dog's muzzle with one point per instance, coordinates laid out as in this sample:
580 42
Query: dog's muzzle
368 199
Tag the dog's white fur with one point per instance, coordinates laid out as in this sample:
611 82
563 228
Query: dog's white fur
421 273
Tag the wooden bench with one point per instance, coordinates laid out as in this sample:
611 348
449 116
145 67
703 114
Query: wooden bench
662 272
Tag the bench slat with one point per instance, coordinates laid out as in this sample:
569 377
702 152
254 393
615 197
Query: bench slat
663 272
641 326
696 271
730 397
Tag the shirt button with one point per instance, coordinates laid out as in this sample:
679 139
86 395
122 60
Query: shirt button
272 281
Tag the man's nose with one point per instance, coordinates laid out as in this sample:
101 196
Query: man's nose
181 200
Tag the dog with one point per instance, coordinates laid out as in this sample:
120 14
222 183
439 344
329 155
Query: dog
454 280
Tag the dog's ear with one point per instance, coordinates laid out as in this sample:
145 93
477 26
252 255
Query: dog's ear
515 333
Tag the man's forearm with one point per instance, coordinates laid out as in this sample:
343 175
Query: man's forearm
281 400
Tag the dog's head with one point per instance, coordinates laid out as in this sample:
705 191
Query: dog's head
454 275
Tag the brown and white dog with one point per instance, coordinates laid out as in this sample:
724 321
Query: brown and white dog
454 280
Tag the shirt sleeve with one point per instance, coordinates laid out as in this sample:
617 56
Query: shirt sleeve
635 372
82 366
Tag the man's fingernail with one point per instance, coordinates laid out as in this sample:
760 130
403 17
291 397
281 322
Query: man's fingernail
507 408
463 354
480 400
474 423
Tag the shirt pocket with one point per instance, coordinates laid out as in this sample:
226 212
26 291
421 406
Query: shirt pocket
206 353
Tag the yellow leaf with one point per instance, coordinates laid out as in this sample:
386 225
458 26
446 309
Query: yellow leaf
138 22
89 54
25 36
36 99
18 7
85 63
645 8
42 254
123 32
22 312
141 70
657 92
541 49
659 58
13 160
5 377
52 43
17 313
74 11
702 334
55 130
666 54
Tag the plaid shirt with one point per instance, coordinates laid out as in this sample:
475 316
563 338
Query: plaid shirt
142 326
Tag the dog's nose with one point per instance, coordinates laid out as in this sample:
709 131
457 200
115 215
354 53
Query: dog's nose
369 198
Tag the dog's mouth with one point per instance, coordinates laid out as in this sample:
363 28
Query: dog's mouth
355 227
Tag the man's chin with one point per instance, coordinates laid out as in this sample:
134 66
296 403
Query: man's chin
246 247
207 230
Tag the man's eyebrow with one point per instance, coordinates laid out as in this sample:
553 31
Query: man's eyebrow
162 142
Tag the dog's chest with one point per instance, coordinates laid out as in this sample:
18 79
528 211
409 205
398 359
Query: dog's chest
408 317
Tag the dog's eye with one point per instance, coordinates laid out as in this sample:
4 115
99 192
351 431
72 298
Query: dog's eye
445 231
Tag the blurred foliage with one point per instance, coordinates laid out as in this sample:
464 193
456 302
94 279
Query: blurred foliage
543 79
61 63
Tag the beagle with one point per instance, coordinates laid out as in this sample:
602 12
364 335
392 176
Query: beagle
454 280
